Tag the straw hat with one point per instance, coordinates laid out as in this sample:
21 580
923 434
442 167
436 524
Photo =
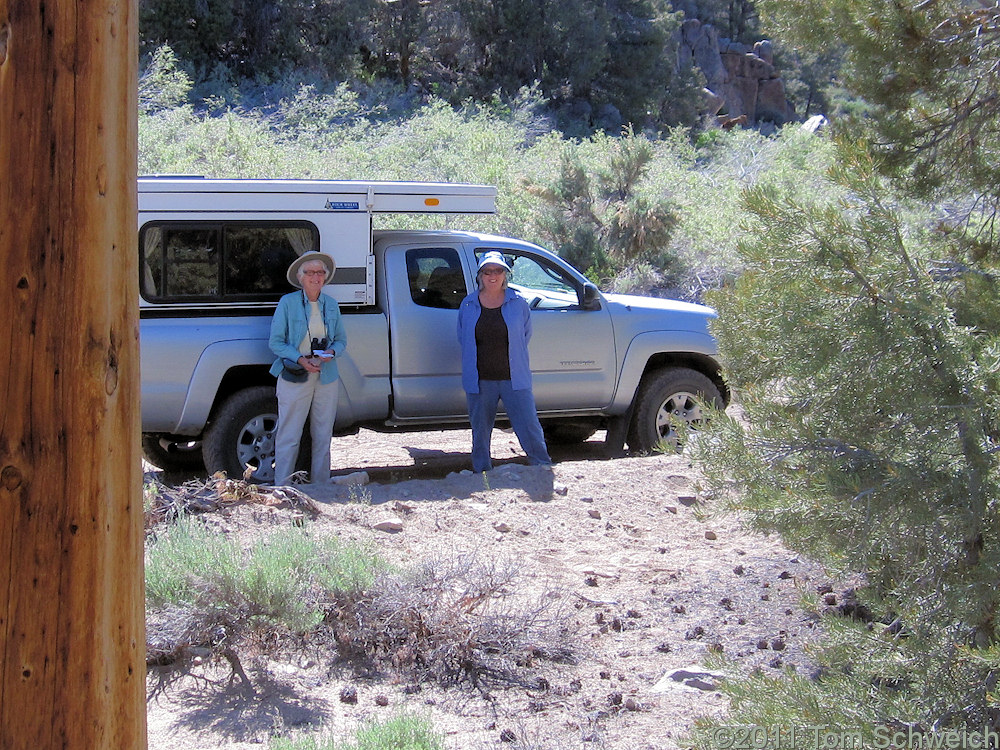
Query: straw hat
306 257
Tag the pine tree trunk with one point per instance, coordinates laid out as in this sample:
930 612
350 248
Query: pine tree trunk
72 644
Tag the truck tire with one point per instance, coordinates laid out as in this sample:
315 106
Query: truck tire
673 393
168 453
242 434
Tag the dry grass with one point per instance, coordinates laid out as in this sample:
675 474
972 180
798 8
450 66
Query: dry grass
458 620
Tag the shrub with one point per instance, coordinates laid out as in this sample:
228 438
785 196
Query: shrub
870 434
453 621
400 733
202 590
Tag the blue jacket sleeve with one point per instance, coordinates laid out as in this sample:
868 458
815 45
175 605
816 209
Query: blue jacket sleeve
278 341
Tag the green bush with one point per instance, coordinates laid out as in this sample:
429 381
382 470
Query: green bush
282 581
400 733
869 435
612 202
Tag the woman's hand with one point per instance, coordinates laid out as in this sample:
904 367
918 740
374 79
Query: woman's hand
312 364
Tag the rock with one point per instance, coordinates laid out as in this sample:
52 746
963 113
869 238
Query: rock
608 118
711 536
687 500
381 700
784 575
739 79
772 103
357 477
824 588
694 633
694 677
711 102
739 570
815 124
670 509
403 507
501 527
594 513
349 694
765 51
631 704
390 524
778 644
559 488
586 499
508 735
830 599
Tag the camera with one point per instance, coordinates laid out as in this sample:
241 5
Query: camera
319 347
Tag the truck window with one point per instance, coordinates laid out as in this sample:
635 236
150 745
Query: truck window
219 261
435 276
543 285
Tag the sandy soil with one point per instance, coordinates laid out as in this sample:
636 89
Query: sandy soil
653 578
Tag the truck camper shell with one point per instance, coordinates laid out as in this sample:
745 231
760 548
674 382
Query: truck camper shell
332 216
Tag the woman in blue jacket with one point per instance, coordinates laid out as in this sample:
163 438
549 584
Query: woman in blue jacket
494 327
307 331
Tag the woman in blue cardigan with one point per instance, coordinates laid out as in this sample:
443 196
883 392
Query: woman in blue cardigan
494 327
307 330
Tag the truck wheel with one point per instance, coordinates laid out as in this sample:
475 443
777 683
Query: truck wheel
170 454
665 397
242 434
568 431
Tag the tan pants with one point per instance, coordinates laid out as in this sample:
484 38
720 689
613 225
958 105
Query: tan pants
296 401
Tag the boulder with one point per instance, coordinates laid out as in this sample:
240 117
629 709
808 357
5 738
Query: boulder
739 79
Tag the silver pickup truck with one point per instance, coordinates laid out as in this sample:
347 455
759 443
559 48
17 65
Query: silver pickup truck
213 256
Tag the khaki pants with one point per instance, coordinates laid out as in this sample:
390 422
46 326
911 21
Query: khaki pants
296 401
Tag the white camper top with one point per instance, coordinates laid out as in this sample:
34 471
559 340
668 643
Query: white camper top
196 194
340 211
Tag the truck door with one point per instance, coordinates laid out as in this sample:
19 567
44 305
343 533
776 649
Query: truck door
572 349
426 285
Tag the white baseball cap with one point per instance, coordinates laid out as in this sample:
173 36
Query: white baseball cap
493 257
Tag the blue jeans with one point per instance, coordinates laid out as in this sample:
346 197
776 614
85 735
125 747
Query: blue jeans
520 408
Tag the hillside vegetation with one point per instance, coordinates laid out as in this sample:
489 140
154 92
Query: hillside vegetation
590 199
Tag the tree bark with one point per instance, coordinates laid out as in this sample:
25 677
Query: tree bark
72 643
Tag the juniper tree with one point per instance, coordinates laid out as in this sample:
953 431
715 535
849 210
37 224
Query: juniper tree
863 341
598 217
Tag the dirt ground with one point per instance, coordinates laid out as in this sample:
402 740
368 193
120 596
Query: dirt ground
654 580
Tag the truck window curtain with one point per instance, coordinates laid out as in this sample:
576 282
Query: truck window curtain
220 261
152 262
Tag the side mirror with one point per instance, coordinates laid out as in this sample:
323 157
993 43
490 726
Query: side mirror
589 298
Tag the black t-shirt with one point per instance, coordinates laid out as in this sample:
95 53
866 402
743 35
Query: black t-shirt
492 359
